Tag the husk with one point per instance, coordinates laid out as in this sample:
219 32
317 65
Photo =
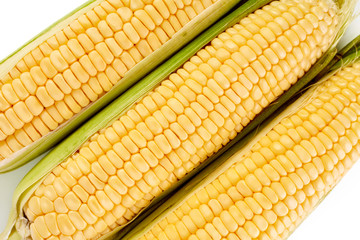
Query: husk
106 116
243 136
242 144
206 176
186 34
103 119
349 54
346 56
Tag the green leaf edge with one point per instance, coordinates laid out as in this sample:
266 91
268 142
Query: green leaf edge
241 139
347 55
113 110
325 67
181 38
35 176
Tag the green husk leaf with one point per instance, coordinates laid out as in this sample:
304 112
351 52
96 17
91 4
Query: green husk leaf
212 171
259 127
185 35
346 11
120 105
200 180
345 56
350 53
105 118
138 226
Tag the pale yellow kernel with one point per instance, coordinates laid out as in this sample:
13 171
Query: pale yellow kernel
243 188
29 60
219 225
69 33
153 13
34 233
288 185
22 112
31 132
9 94
190 12
80 97
5 150
161 8
278 50
76 27
76 50
48 69
34 105
53 91
37 55
212 231
19 90
65 175
139 27
61 84
70 79
72 201
104 52
278 167
65 225
278 189
43 95
62 109
85 42
268 34
45 48
97 61
271 56
49 179
13 144
21 136
51 223
3 103
88 91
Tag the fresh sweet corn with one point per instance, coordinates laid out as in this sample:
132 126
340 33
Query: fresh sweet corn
77 65
269 190
188 118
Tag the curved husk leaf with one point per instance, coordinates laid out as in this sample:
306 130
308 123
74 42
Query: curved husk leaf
213 170
330 63
345 56
125 101
186 34
349 54
105 118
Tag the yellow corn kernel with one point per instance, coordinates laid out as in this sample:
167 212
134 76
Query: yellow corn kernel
269 207
81 62
179 124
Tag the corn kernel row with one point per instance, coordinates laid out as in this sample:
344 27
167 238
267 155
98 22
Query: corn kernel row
269 191
79 64
163 10
189 117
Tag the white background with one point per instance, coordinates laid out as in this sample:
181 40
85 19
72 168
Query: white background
337 218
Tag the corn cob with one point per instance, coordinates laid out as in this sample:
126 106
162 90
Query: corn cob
266 192
119 170
75 66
